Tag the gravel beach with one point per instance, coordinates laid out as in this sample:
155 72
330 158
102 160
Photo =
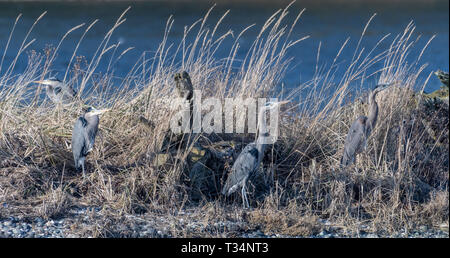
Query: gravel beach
81 222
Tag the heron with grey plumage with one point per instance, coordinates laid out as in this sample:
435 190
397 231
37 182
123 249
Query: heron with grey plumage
58 91
250 158
83 135
361 128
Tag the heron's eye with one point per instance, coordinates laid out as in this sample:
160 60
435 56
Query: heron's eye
57 90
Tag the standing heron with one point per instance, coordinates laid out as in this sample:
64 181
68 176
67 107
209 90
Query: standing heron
356 141
250 158
83 135
443 77
58 91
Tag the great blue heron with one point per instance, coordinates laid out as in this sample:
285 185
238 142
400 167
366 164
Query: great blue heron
443 77
249 159
83 135
356 141
57 90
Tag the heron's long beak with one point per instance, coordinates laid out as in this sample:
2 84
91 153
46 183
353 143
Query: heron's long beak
284 102
386 85
44 82
99 112
96 112
381 87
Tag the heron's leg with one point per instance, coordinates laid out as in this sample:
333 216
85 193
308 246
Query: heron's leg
246 199
243 196
272 175
82 167
58 111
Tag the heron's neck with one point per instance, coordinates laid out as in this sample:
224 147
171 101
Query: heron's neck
262 130
373 113
92 119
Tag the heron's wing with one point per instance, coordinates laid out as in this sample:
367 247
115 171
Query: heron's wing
79 140
354 142
245 163
443 77
70 91
91 132
67 93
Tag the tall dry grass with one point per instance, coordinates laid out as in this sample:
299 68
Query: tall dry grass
401 181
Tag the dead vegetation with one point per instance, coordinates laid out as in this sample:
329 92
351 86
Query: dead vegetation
401 181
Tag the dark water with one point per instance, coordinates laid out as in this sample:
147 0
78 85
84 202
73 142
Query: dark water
330 24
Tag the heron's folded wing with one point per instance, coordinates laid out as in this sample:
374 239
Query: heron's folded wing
90 139
355 139
246 163
78 139
91 132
